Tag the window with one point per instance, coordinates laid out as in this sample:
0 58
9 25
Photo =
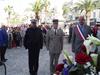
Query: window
94 14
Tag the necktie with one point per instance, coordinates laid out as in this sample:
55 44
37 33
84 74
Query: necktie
55 31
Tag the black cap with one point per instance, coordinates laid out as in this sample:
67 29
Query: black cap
33 21
55 20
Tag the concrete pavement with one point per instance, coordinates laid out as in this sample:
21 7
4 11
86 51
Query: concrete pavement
17 63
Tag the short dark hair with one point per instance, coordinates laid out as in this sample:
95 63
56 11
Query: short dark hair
55 20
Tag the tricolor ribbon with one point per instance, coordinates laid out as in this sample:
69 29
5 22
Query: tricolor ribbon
80 33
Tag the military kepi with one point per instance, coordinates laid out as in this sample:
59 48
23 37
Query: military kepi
33 21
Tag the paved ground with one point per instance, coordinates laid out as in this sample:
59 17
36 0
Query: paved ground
17 63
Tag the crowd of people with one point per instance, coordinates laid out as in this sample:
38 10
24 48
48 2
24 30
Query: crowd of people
14 37
32 37
16 34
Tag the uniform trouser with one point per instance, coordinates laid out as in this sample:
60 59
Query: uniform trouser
33 60
98 63
54 57
2 53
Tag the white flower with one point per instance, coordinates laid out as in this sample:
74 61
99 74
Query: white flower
65 65
95 40
88 64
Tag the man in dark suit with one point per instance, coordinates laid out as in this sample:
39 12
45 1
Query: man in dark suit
33 41
77 39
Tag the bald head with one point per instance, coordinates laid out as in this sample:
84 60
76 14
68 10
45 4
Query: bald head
81 20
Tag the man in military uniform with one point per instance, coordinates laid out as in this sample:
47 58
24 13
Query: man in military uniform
33 41
54 43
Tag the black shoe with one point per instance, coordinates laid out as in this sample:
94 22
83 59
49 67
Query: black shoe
1 64
33 73
4 60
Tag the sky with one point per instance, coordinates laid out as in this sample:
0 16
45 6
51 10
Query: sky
21 5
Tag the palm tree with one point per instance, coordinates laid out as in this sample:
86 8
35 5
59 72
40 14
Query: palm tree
46 5
9 10
75 11
98 4
37 7
65 9
87 6
15 19
46 9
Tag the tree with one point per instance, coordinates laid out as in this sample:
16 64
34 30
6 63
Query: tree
66 10
87 6
75 12
16 19
46 5
98 4
37 7
9 10
46 9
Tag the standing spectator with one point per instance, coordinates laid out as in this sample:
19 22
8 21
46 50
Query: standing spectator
33 41
3 43
94 29
98 36
54 43
14 37
10 38
79 34
70 33
44 31
44 34
22 32
18 37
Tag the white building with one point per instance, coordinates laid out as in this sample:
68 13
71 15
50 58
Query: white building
96 14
